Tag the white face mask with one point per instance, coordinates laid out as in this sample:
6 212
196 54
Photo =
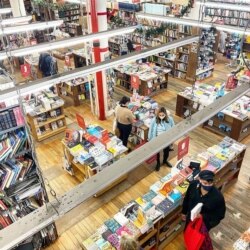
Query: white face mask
162 117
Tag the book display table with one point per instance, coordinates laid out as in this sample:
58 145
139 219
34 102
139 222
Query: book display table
89 152
232 121
243 243
154 217
151 78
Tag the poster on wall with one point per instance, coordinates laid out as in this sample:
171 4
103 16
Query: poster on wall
183 147
25 70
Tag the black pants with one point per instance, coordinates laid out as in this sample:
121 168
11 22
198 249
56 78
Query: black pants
165 155
125 130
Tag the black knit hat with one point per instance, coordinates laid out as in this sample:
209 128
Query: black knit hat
206 175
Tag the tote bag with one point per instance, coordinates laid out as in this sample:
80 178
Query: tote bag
192 236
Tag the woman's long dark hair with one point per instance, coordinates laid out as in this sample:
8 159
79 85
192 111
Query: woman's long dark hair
124 101
161 110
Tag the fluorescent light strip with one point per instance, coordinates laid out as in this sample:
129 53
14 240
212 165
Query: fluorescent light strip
227 28
228 6
84 71
15 20
29 27
71 41
173 20
5 10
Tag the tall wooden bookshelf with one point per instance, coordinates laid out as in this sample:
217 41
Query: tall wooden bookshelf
22 187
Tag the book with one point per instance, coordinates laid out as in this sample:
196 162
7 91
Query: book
196 211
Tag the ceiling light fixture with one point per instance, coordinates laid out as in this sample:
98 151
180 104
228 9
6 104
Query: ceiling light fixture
70 42
228 6
15 20
29 27
5 10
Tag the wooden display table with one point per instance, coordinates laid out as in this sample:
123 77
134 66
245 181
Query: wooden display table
240 129
83 172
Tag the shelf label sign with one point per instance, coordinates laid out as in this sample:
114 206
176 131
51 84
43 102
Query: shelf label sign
136 1
183 147
80 121
25 70
135 82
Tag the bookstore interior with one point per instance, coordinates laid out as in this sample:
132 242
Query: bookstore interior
76 171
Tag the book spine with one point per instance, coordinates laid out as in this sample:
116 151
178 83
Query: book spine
18 116
12 117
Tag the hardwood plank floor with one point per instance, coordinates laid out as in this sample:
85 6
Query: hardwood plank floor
82 221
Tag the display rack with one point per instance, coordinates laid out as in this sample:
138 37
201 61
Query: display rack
22 189
151 79
154 218
233 121
77 90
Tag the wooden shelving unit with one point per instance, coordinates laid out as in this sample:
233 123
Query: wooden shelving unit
74 92
240 129
45 129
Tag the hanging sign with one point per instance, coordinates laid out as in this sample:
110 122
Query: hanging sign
183 147
25 70
80 121
135 81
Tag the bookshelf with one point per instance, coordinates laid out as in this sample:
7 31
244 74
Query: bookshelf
154 218
228 122
77 91
45 124
21 187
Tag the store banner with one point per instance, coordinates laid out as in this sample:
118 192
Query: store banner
183 147
25 70
135 82
80 121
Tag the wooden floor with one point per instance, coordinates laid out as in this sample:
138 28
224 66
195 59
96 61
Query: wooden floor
82 221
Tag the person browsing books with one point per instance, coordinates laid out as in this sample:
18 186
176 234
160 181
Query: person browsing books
160 124
125 118
203 191
128 243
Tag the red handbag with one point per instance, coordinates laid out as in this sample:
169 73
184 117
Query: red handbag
192 236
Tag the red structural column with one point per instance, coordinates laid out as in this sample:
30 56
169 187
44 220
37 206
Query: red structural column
98 58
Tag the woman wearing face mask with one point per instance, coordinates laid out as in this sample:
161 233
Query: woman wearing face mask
203 191
160 124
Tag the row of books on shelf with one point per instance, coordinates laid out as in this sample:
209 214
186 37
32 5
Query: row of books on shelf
11 118
13 171
50 127
47 115
141 214
227 13
13 143
26 197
